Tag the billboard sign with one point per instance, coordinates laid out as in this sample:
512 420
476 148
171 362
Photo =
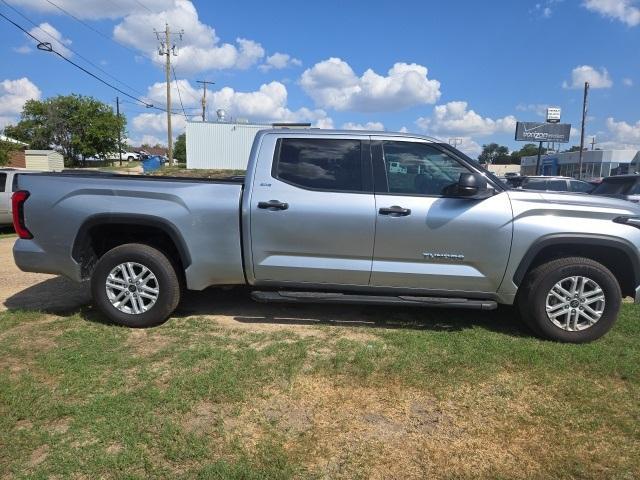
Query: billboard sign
553 114
543 132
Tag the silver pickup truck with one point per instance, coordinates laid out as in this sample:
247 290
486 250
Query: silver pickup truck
337 217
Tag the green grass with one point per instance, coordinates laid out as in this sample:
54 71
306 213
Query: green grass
180 170
417 393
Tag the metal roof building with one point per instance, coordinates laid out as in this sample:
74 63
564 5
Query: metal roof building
220 145
595 163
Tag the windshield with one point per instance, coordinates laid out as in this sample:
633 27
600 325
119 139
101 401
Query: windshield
615 186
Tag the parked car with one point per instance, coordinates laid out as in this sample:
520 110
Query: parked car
320 217
556 184
127 156
513 181
626 187
8 183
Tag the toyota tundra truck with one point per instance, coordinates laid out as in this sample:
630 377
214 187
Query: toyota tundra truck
337 217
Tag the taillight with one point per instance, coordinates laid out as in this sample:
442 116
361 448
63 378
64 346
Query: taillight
17 203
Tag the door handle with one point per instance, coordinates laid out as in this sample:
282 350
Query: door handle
273 205
395 211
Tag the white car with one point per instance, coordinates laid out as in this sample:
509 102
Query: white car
7 187
128 156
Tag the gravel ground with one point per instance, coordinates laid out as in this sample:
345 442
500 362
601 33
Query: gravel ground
36 291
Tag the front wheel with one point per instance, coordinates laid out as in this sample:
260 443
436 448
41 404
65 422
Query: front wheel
135 285
575 300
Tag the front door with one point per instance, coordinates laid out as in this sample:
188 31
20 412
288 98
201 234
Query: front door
313 214
429 242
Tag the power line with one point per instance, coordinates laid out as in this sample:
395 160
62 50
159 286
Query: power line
175 79
47 47
71 49
93 29
143 6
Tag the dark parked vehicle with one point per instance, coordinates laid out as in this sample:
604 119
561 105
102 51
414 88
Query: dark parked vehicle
512 181
556 184
626 187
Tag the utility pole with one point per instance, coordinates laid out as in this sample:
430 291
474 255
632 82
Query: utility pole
204 97
593 143
584 119
167 49
119 129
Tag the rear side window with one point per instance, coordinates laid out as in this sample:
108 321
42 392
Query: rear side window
557 185
536 184
636 189
320 164
3 181
613 186
582 187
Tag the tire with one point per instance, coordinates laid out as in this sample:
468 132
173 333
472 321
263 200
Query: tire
159 282
130 159
564 318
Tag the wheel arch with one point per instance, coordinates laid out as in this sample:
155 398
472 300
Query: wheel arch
618 255
116 229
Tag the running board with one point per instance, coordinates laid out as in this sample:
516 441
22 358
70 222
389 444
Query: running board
402 300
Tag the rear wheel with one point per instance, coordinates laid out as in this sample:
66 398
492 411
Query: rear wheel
135 285
574 300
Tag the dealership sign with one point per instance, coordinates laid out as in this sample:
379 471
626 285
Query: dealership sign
543 132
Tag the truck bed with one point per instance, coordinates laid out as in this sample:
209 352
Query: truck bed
201 215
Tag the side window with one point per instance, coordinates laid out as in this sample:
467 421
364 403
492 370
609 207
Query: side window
581 187
419 169
320 164
3 180
557 185
536 184
635 190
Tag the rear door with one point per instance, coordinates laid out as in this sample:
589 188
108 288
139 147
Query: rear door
313 211
426 241
5 199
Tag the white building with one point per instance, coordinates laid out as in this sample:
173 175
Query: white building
220 145
595 163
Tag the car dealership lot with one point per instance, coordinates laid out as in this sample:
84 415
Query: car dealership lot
228 388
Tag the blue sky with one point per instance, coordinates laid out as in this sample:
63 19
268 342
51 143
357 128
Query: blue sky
464 69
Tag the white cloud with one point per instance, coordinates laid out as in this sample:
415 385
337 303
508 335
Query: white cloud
146 140
157 93
13 95
627 82
469 146
539 109
49 34
279 61
367 126
200 48
454 118
156 124
269 104
333 84
625 11
623 132
586 73
95 9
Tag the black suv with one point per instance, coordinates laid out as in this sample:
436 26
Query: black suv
626 187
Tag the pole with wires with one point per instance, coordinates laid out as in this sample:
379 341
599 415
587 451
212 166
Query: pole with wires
204 97
168 49
119 129
584 119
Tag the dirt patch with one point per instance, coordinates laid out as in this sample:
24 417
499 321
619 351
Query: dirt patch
113 448
341 430
59 426
39 455
146 343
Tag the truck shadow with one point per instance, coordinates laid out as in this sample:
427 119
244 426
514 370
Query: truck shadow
63 297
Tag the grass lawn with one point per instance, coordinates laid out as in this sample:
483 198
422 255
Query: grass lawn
459 395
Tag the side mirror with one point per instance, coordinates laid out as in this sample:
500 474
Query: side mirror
470 185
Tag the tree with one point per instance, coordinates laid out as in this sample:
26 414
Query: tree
75 125
575 148
180 148
5 149
494 153
528 150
